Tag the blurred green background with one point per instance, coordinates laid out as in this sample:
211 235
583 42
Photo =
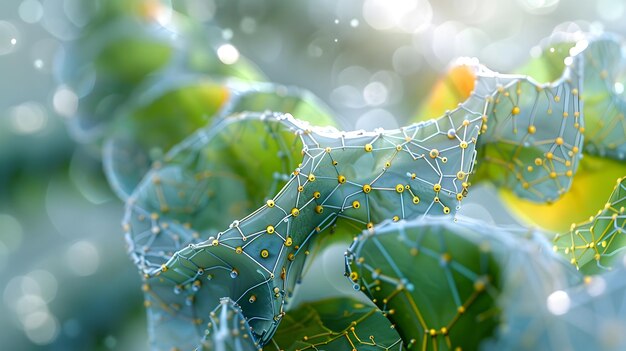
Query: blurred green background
65 279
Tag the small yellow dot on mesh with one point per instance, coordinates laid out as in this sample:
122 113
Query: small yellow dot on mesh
444 330
433 153
581 129
577 114
416 200
529 168
396 218
270 203
356 204
291 257
295 212
341 179
575 149
238 250
437 187
463 145
532 129
387 164
288 241
549 111
459 196
565 114
515 110
444 159
399 188
433 332
461 309
549 155
300 188
479 285
398 147
466 122
569 173
319 209
552 175
317 194
354 276
367 188
525 185
215 242
328 149
574 91
557 98
265 253
446 210
270 229
369 225
311 177
460 175
559 141
368 147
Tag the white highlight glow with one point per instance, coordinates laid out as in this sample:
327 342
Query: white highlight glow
28 118
228 54
30 11
558 302
410 16
83 258
65 101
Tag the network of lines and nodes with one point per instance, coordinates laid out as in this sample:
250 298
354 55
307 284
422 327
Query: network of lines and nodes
603 82
599 240
143 139
227 330
198 189
436 280
335 324
174 217
533 137
605 105
363 177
